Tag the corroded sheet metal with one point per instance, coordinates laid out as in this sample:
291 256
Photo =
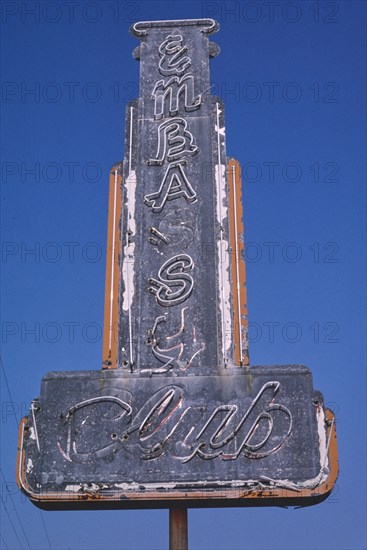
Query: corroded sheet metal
105 437
112 285
238 268
176 285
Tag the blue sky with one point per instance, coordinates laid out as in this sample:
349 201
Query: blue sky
292 75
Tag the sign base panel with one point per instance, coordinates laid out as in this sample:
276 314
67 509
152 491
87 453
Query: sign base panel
107 439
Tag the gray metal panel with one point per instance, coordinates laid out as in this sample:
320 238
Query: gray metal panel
127 432
170 209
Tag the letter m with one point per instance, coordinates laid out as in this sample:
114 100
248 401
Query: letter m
170 91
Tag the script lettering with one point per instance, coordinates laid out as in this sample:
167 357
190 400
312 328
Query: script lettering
174 285
175 142
171 52
174 185
165 424
173 89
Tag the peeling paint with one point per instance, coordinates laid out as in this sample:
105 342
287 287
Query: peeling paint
73 488
128 264
128 270
29 466
223 261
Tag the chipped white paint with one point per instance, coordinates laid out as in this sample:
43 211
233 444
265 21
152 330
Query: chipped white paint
33 411
320 417
152 486
73 488
263 482
86 487
131 137
224 284
324 460
32 434
128 265
225 287
127 486
29 466
249 484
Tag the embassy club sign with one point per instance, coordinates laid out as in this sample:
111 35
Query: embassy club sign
176 414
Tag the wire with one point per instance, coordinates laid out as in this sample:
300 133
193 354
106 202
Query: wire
15 510
5 545
8 388
12 524
45 528
17 423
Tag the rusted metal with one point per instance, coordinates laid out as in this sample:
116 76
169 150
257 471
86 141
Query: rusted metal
260 494
189 440
113 252
178 529
237 248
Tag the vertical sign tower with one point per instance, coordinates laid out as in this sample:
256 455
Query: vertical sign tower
182 307
176 416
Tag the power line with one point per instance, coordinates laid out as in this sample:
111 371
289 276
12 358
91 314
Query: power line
12 524
44 525
9 392
5 545
15 510
17 423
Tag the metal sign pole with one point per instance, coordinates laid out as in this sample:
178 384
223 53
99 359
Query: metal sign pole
178 529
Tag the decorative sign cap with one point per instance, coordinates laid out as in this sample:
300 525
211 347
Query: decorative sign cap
207 26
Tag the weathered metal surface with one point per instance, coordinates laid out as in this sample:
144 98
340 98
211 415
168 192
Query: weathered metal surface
176 291
105 436
112 285
238 269
176 415
178 530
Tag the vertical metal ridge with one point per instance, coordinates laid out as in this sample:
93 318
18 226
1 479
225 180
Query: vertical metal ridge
240 339
111 311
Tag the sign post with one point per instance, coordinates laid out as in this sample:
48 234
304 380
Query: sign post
178 529
176 418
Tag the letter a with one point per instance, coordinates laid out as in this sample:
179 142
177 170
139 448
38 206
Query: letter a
175 184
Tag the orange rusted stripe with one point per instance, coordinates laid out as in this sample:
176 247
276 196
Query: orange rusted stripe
19 468
238 268
110 324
